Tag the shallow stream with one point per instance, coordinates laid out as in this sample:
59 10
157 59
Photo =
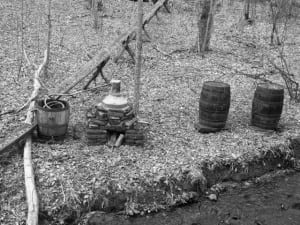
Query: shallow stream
273 203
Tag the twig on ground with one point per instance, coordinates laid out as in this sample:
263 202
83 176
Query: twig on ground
28 61
161 51
143 122
257 76
8 112
63 192
178 50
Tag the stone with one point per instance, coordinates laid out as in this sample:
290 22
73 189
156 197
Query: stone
117 114
114 120
212 197
92 125
96 131
98 122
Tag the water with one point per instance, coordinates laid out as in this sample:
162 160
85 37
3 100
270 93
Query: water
272 203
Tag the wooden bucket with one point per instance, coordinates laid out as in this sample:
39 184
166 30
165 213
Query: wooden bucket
214 105
52 118
267 106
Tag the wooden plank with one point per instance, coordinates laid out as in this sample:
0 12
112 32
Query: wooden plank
17 135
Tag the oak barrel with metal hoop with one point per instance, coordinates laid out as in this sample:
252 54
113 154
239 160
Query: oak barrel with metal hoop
267 106
214 105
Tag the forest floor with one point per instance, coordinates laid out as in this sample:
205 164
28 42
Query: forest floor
73 178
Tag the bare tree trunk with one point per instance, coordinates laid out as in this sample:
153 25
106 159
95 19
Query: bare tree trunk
247 9
39 30
22 39
275 11
205 10
97 9
95 14
137 80
46 69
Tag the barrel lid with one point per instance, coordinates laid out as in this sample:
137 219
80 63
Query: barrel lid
271 86
268 89
216 84
216 87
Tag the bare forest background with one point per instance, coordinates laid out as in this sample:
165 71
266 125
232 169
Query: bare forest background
162 52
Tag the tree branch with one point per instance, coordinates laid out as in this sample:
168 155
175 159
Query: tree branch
31 193
103 56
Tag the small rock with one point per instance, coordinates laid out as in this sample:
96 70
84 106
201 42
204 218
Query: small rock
279 165
247 184
213 197
283 206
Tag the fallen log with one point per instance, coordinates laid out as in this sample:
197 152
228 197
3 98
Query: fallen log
31 193
16 136
112 51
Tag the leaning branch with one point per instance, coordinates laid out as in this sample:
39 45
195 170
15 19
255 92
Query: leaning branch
112 51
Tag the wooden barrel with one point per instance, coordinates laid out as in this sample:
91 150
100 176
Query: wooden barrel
267 106
214 105
52 120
